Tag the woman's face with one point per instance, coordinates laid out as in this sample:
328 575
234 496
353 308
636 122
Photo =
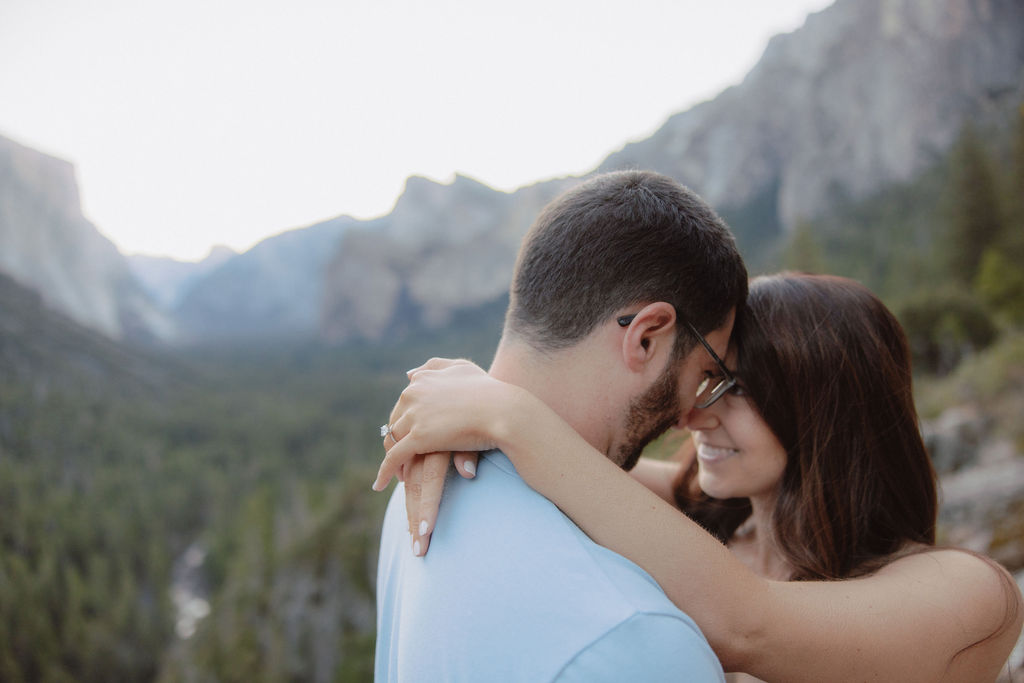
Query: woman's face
738 455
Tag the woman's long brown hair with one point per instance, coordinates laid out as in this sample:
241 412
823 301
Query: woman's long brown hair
828 368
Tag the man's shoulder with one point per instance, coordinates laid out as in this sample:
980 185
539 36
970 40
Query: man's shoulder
511 573
505 529
645 647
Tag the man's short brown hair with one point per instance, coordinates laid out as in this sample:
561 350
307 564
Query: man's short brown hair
616 240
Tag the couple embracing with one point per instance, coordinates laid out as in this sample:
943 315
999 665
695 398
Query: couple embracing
793 537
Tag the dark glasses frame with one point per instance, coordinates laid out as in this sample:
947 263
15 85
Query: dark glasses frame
709 391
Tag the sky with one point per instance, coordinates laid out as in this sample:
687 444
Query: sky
194 123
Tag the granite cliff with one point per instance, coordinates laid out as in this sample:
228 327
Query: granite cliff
444 248
865 94
46 244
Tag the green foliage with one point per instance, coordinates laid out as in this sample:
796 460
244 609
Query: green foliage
943 327
936 228
976 219
1000 283
1000 278
115 461
992 380
1015 185
887 241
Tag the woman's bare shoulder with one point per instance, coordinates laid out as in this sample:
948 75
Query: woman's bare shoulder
951 566
981 598
962 576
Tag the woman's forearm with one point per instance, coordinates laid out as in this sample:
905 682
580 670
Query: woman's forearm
696 571
940 616
888 626
657 475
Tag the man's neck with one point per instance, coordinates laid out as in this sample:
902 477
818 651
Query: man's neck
562 381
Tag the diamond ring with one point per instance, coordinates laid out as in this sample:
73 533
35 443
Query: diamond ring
385 432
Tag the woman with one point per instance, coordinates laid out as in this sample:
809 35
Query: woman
811 469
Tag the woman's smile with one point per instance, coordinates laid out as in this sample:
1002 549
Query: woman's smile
710 454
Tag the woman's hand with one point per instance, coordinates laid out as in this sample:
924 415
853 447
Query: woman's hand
449 405
424 478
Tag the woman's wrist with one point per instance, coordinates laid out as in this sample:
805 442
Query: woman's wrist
537 440
513 407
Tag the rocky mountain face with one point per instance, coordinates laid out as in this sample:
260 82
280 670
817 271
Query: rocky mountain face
444 248
46 244
273 291
866 93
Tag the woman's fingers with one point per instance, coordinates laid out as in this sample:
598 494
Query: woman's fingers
413 484
422 505
437 364
430 415
465 463
424 484
393 465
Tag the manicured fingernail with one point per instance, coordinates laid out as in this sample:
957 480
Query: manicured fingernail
379 483
469 466
416 548
423 527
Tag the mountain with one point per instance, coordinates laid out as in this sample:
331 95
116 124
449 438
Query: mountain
272 291
166 279
444 248
867 93
46 352
48 245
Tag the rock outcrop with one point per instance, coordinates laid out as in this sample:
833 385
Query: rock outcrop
865 94
46 244
444 248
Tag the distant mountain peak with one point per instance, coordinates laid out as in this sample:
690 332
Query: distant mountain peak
47 244
866 93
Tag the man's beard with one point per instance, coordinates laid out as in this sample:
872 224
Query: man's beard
649 416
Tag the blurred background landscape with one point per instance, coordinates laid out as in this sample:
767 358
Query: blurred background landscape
187 447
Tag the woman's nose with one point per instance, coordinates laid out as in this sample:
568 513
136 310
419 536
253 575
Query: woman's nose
700 418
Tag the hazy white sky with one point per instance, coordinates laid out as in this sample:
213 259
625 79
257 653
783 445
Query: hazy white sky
201 122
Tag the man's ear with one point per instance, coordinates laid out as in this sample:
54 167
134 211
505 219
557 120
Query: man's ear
650 337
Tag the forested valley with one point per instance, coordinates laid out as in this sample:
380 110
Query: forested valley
205 514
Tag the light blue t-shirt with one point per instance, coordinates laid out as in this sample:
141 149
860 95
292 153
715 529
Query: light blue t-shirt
512 590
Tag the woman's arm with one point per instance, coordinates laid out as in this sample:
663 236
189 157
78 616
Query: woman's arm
657 475
918 619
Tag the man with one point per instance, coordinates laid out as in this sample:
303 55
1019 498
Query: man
624 292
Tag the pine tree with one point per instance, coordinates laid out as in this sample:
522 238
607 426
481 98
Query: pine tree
976 222
1000 279
1016 189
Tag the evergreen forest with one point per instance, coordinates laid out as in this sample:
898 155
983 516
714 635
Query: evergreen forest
206 514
